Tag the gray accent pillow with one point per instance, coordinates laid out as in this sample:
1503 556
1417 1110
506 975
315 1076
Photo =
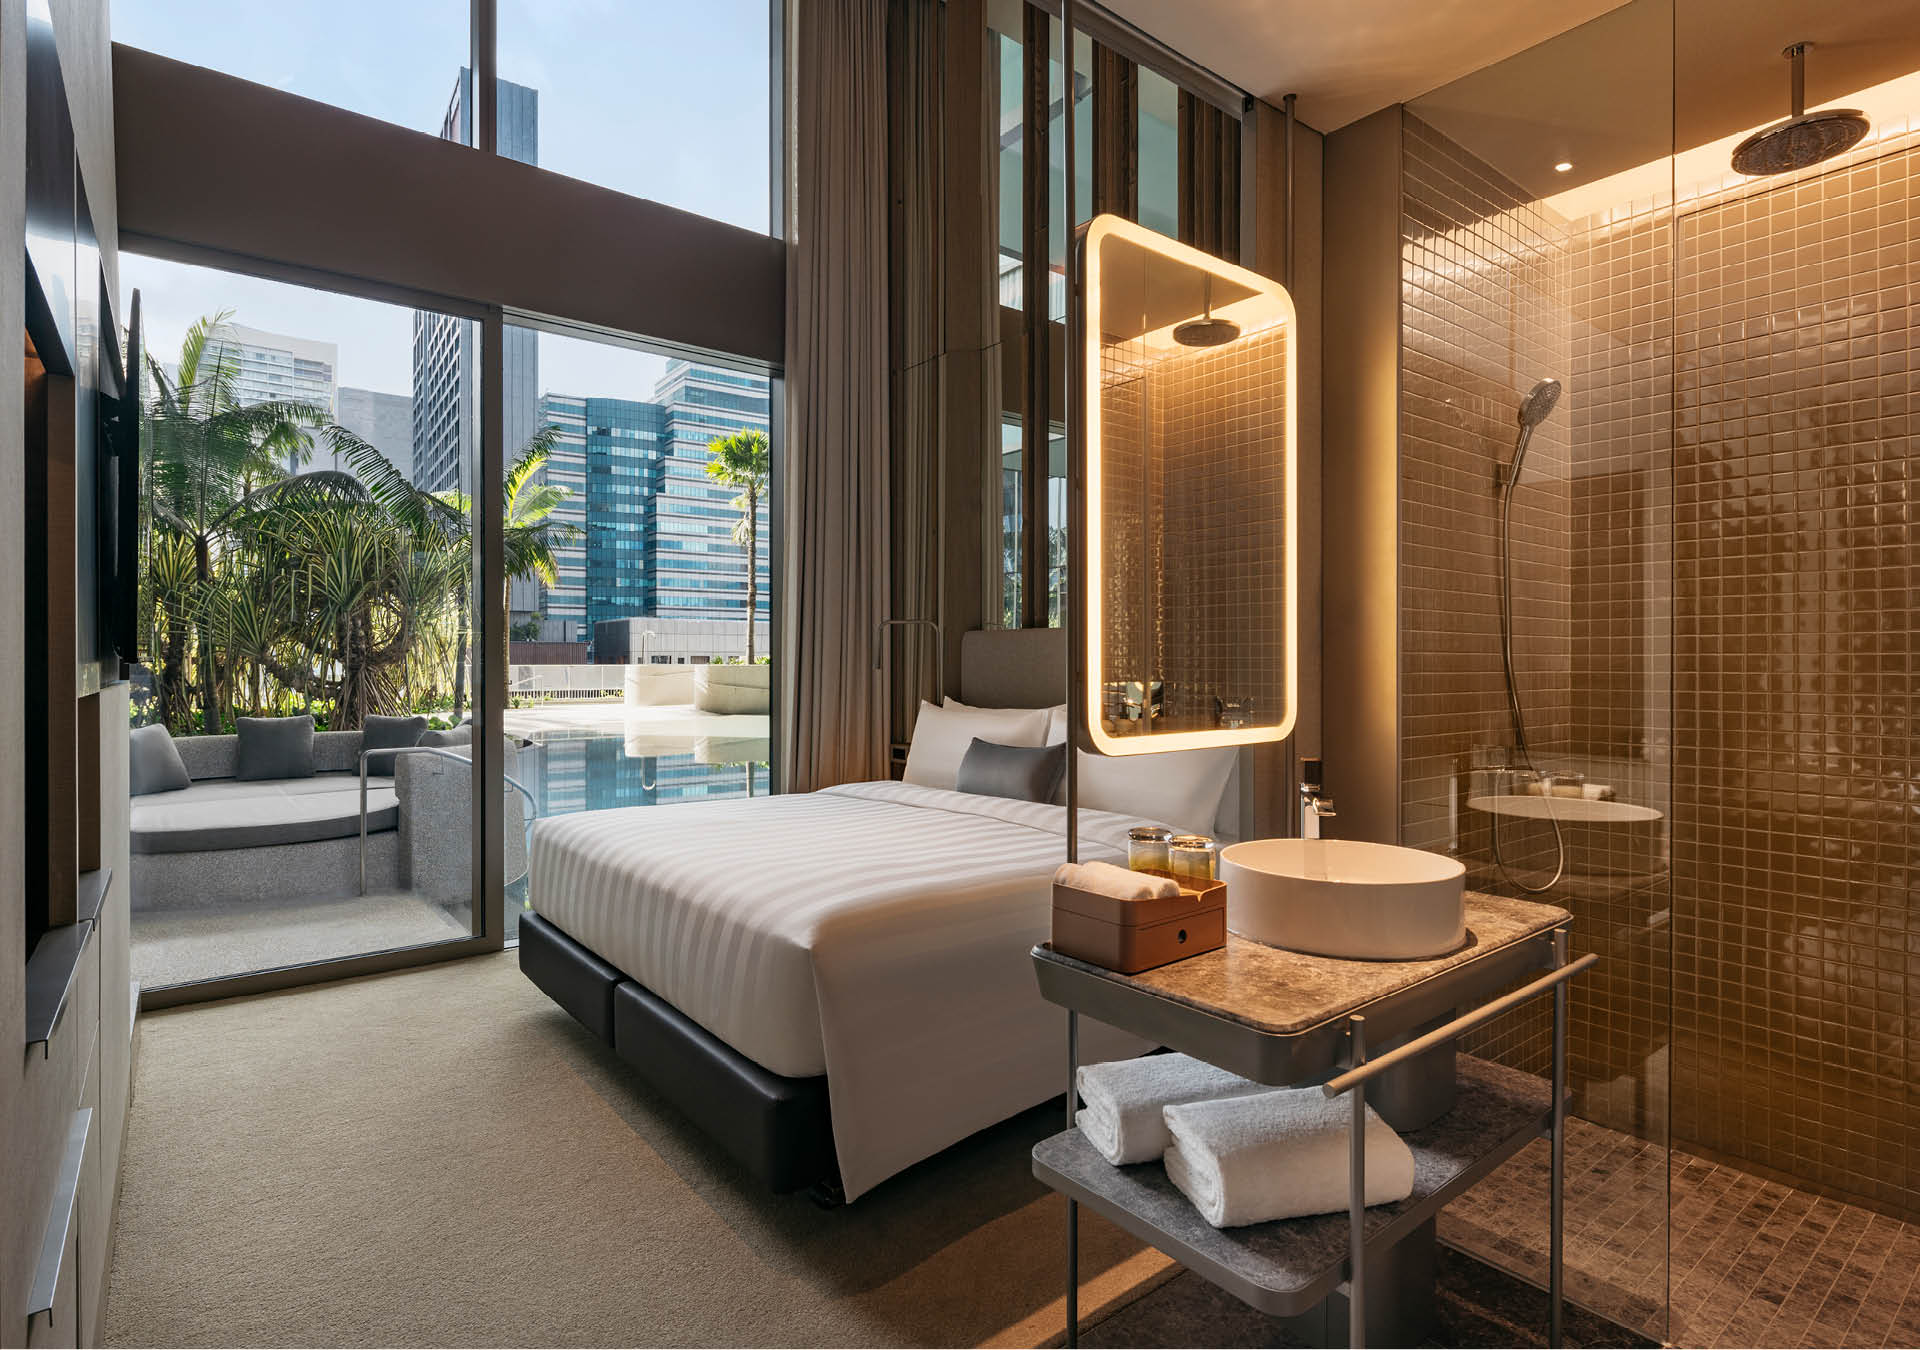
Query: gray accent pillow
1027 773
274 747
460 735
381 736
154 762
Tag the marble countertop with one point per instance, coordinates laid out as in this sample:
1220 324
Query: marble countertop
1284 993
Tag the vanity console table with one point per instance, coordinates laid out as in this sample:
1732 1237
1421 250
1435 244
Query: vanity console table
1379 1032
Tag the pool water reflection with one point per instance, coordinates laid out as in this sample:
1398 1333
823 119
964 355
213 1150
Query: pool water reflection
580 770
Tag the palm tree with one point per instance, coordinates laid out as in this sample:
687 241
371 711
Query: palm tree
531 532
743 461
206 454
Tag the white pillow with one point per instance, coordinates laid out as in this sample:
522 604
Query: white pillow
941 736
1181 788
1056 724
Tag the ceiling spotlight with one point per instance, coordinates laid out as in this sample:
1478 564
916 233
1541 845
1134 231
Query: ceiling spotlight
1563 166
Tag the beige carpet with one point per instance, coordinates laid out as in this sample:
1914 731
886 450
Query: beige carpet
442 1157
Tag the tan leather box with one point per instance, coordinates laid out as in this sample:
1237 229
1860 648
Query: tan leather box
1135 935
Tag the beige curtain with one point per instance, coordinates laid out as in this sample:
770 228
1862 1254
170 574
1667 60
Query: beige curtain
836 490
916 291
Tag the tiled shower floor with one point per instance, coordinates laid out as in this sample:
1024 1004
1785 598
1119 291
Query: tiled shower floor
1755 1263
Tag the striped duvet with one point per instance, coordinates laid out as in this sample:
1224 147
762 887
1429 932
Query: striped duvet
876 932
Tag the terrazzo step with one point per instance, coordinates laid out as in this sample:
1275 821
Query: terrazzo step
1287 1267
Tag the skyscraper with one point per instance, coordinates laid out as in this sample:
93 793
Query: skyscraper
657 532
275 368
271 367
698 570
562 606
446 413
625 455
384 421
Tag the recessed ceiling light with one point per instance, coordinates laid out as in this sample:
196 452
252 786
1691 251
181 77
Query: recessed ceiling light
1563 166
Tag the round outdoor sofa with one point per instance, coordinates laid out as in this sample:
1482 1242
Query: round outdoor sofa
223 840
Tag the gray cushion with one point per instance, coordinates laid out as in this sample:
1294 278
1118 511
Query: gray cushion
1027 773
154 762
227 813
274 748
383 735
460 735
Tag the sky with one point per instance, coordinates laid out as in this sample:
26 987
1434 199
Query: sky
658 98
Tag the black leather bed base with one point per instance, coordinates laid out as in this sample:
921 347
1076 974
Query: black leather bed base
778 1128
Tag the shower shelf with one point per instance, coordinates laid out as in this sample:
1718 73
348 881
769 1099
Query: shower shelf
1566 810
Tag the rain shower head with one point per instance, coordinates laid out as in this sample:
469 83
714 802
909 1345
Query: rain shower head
1804 139
1539 403
1206 331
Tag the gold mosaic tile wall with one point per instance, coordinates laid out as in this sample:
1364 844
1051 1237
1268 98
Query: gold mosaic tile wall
1483 274
1193 522
1483 316
1797 838
1726 630
1621 417
1221 429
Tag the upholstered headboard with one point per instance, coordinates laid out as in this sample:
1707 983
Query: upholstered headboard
1027 668
1013 667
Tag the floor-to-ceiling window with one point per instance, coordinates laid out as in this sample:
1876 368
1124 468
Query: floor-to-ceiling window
439 509
640 663
397 62
1159 147
666 102
306 545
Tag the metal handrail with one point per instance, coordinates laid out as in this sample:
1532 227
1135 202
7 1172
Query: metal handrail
1361 1069
1459 1026
533 807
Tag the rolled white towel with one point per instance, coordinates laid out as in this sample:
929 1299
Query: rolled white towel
1280 1155
1126 1100
1103 878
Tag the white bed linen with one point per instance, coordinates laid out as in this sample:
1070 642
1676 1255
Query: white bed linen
876 932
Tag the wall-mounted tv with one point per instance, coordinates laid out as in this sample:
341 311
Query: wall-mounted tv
117 513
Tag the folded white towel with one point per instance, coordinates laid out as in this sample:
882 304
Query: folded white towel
1279 1155
1124 1115
1103 878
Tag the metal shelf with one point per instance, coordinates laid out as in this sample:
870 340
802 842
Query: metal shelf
55 962
1288 1019
91 894
51 972
1288 1267
44 1294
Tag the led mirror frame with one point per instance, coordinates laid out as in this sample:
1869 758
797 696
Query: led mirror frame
1097 232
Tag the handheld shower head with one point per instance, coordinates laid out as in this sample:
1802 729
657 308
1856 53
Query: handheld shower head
1538 405
1535 408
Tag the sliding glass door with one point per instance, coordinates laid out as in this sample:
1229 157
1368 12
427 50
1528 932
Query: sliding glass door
638 523
304 776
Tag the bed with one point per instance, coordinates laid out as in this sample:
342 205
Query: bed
829 1025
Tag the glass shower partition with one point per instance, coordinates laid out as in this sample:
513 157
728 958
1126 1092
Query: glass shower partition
1536 581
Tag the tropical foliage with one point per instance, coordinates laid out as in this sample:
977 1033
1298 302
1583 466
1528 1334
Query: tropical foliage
743 461
269 588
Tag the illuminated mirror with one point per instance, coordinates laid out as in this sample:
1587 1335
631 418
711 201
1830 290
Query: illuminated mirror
1188 547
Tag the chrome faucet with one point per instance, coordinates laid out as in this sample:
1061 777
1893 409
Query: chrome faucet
1315 806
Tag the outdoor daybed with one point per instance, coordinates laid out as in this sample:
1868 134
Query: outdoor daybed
221 839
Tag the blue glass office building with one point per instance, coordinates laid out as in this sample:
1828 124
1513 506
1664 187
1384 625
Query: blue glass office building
657 532
699 572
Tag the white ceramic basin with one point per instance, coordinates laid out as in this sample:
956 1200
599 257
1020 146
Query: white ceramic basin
1341 897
